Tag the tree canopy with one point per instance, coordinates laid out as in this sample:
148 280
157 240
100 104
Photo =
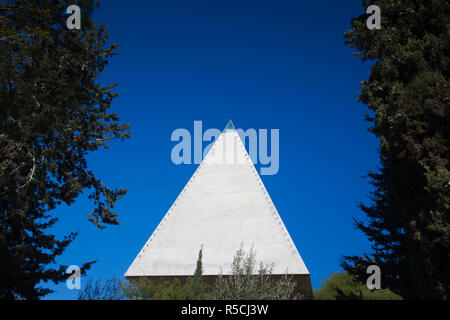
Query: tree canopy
53 112
408 94
343 286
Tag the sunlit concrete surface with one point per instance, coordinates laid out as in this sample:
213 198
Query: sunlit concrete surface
223 205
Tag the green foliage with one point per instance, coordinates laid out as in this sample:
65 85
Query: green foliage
195 286
139 289
147 289
343 286
52 114
242 284
408 92
246 283
111 289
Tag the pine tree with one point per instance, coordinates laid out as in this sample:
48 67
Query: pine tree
408 92
52 114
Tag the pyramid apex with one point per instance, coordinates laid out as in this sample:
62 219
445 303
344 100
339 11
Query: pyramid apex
230 126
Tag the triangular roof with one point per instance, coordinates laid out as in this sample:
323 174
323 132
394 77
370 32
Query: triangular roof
224 205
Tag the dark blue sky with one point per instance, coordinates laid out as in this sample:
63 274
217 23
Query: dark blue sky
264 64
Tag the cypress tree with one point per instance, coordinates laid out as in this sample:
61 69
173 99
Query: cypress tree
52 114
195 288
408 94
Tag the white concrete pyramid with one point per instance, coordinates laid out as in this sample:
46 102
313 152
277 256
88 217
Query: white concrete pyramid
224 205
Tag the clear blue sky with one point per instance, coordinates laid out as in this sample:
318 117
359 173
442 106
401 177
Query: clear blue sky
264 64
